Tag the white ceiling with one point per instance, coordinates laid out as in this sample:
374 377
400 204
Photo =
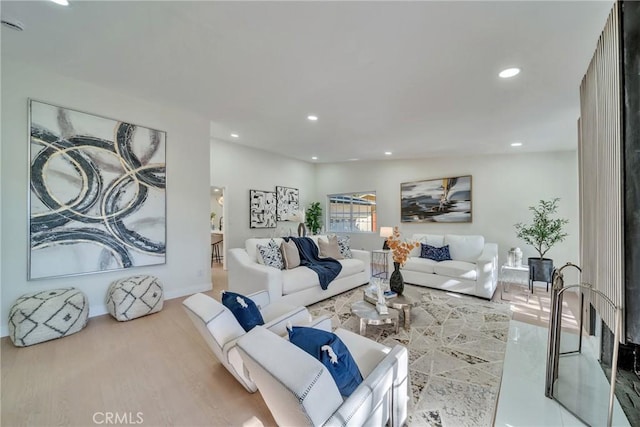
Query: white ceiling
415 78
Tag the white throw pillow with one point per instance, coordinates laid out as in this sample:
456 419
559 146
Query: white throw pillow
271 255
464 248
344 244
435 240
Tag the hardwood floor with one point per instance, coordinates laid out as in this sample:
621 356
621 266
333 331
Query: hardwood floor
157 366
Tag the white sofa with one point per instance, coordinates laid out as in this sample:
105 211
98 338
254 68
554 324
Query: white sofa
472 270
298 286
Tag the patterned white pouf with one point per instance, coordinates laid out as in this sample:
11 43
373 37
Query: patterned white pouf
46 315
134 297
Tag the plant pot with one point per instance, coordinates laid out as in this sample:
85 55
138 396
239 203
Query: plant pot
396 281
540 269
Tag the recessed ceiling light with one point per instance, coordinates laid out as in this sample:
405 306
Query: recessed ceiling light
314 158
61 2
312 118
215 190
509 72
516 144
388 153
235 135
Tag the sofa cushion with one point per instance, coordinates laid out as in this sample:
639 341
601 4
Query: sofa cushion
464 248
271 255
298 279
301 278
423 265
329 248
436 240
329 349
290 254
244 309
350 267
456 269
344 243
436 254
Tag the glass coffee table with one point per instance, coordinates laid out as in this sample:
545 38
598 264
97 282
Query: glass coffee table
403 303
368 315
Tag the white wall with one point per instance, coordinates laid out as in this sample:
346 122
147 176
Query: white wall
239 169
187 268
503 187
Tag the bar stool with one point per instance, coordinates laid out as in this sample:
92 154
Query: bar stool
216 248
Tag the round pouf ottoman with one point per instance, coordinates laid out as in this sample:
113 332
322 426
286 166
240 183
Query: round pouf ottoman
46 315
134 297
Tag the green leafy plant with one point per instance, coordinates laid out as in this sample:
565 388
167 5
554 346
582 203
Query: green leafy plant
314 212
544 232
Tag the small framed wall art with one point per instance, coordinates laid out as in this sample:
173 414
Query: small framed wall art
287 202
436 200
262 209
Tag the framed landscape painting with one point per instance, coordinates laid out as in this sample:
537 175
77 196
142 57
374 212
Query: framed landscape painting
287 202
97 193
436 200
262 209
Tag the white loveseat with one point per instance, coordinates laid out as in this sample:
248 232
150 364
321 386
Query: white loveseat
473 268
298 286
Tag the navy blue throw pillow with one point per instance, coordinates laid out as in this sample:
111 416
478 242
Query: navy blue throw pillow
436 254
244 309
329 349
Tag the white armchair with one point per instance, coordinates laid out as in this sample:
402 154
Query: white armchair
299 390
221 330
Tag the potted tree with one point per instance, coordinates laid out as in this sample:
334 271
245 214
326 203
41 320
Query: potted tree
543 233
314 212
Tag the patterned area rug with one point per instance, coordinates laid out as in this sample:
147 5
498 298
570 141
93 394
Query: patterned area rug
456 350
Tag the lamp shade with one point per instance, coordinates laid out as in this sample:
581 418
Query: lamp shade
297 216
386 232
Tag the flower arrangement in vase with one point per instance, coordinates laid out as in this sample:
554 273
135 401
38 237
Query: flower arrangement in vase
400 249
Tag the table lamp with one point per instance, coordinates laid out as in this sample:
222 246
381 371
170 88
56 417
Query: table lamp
299 216
386 232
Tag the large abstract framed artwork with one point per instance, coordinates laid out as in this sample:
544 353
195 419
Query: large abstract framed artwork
262 209
97 193
287 202
436 200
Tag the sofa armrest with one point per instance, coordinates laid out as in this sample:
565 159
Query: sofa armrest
215 322
365 257
487 271
298 317
375 391
247 276
261 298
